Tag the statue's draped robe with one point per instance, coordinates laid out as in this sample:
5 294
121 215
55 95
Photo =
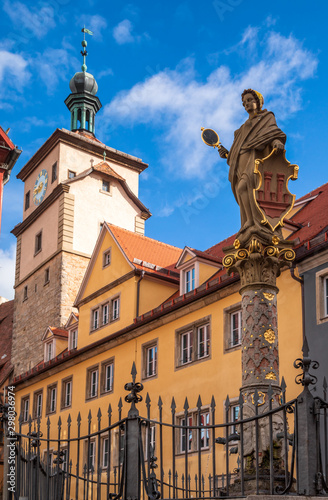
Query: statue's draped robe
252 140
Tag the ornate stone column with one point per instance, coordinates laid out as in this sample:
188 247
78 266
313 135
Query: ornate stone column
258 265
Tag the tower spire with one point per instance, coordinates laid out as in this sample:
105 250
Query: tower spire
82 102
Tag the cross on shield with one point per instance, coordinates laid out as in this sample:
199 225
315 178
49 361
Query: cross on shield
272 196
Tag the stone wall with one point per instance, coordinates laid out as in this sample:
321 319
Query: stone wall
47 304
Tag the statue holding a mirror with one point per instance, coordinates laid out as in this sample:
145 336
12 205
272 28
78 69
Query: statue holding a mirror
259 141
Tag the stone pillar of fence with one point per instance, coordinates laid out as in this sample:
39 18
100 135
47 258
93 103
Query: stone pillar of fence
258 264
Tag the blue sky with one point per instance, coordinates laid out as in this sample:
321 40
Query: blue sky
165 69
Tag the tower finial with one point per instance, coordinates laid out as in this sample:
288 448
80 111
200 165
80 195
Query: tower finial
84 44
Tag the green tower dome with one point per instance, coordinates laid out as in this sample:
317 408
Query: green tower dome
82 102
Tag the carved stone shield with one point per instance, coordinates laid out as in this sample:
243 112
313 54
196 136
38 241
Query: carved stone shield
272 196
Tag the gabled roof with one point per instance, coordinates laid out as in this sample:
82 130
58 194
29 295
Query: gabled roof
197 253
137 247
106 169
72 319
55 332
89 144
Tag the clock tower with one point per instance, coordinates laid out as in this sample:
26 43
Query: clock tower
72 184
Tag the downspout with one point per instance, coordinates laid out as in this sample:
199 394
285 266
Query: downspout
138 292
300 280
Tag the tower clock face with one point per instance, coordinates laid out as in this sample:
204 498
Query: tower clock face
40 187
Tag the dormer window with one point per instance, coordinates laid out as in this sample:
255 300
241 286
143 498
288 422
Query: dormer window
189 280
105 186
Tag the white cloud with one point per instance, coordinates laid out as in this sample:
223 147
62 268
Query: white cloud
7 272
13 70
123 33
105 72
36 20
178 102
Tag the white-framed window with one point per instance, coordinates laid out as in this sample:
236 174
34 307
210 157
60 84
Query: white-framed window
92 454
232 327
95 319
105 452
235 328
64 459
151 368
203 341
204 433
193 342
94 383
186 434
25 408
109 372
46 275
107 257
189 436
115 308
54 172
67 393
49 350
51 398
189 280
25 297
105 186
37 405
234 417
73 339
186 347
27 200
105 313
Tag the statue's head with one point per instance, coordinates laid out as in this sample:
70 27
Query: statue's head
257 96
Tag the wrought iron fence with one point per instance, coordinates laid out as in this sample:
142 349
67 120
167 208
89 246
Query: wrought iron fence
190 455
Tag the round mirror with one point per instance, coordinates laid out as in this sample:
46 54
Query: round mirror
210 137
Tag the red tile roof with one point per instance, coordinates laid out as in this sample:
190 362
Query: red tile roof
313 216
6 331
146 250
106 169
59 332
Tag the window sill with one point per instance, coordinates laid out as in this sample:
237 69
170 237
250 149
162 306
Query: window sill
89 398
193 362
39 251
232 348
105 192
63 408
46 283
192 452
105 393
149 377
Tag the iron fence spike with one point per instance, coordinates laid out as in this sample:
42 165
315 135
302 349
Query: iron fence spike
20 418
199 403
283 384
69 420
147 400
59 421
305 348
160 403
134 371
213 404
227 402
109 411
120 404
186 405
256 397
99 414
48 422
89 416
79 419
240 400
173 405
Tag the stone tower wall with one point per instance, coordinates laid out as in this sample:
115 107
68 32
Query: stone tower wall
47 304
